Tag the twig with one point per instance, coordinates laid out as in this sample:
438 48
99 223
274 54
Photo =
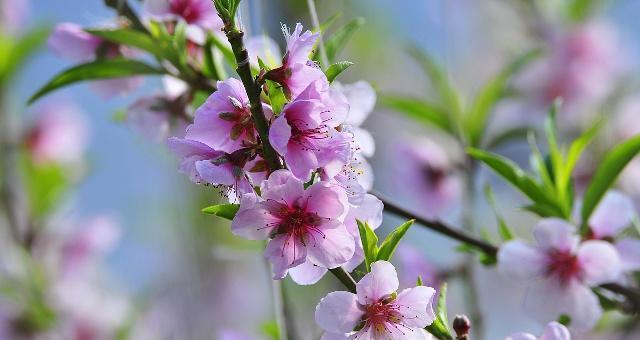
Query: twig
124 10
345 278
316 25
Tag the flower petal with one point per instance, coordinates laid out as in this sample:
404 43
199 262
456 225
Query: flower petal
556 234
416 306
521 261
613 214
338 312
333 249
326 200
284 252
555 331
629 252
252 221
307 273
279 135
381 281
599 261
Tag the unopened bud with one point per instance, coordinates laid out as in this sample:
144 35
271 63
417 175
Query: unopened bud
461 325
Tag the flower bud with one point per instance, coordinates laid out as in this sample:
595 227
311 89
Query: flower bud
461 325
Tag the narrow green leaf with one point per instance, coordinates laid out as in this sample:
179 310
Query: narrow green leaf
514 175
336 42
503 229
447 93
490 94
15 52
130 37
420 110
575 151
335 69
324 26
390 243
369 241
227 211
606 174
277 98
99 69
508 136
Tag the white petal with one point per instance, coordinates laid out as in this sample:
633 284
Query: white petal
613 214
416 306
307 273
333 249
599 261
338 312
629 252
555 331
381 281
521 261
556 234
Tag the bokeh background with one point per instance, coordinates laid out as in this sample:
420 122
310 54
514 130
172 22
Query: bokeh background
187 276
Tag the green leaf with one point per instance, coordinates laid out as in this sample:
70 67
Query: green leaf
606 174
419 110
335 69
225 49
494 90
390 243
440 326
324 26
99 69
369 241
503 229
227 211
447 93
130 37
580 10
15 52
277 98
514 175
46 185
209 67
334 44
508 136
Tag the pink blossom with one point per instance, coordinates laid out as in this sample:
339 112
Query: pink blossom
553 331
302 224
356 178
362 99
560 271
297 71
13 14
59 135
224 121
199 15
377 311
97 237
204 164
304 133
614 214
369 211
70 41
263 47
156 117
429 176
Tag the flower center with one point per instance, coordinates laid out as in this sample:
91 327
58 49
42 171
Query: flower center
306 137
563 265
185 9
242 124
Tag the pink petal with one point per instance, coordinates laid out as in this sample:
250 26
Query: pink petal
521 261
599 261
556 234
521 336
555 331
285 252
362 100
252 220
416 306
335 336
333 249
302 76
365 141
299 45
71 41
215 174
282 187
265 48
307 273
279 135
629 252
548 300
109 88
613 214
338 312
370 211
380 282
301 161
326 200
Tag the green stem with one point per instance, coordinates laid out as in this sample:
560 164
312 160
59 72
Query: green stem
345 278
253 89
124 10
316 25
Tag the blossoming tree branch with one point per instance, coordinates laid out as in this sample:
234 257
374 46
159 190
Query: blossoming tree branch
281 139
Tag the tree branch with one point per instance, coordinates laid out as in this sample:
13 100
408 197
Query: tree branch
124 10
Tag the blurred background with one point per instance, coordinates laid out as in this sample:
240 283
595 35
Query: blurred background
167 271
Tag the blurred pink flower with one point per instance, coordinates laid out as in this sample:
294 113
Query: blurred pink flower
382 313
94 239
59 135
200 16
612 215
413 263
305 135
265 48
560 271
302 224
70 41
13 14
426 174
155 119
297 71
362 99
553 331
626 122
